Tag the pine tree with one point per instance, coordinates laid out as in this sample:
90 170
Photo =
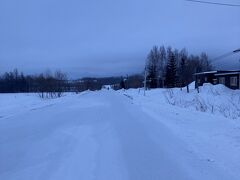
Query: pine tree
171 70
162 66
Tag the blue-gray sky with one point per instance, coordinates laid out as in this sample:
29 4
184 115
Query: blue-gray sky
110 37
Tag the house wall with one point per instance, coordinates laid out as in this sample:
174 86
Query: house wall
227 80
213 78
204 78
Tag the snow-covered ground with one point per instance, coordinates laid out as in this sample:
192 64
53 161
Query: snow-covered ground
116 135
216 99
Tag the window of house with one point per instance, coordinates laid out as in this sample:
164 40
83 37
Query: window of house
233 81
199 81
222 80
205 79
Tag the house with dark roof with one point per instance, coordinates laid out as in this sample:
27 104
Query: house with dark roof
230 79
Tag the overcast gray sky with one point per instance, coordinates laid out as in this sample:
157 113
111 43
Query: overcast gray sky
110 37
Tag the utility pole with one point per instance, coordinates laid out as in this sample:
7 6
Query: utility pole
145 81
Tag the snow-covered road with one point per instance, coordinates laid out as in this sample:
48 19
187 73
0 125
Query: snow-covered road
97 135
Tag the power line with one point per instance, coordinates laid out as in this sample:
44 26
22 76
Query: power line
214 3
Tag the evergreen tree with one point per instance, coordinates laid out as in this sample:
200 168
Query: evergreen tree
152 67
162 66
171 70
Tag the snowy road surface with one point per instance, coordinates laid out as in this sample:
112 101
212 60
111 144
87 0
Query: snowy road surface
93 136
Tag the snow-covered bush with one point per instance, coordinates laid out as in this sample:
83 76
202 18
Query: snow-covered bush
216 99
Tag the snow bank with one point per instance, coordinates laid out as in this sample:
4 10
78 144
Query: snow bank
215 99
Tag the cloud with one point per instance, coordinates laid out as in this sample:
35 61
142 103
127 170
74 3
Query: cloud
108 37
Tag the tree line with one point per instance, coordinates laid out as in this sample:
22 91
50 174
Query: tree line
50 85
46 84
168 67
165 67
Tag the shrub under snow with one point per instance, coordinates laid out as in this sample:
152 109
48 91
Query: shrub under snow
216 99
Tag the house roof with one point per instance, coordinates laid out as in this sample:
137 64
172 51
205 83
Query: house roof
230 73
208 72
219 73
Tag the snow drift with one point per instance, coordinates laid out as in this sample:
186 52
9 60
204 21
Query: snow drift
215 99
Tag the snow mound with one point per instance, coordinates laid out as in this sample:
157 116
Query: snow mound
215 99
215 89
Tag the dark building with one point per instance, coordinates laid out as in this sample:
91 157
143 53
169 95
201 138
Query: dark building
230 79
